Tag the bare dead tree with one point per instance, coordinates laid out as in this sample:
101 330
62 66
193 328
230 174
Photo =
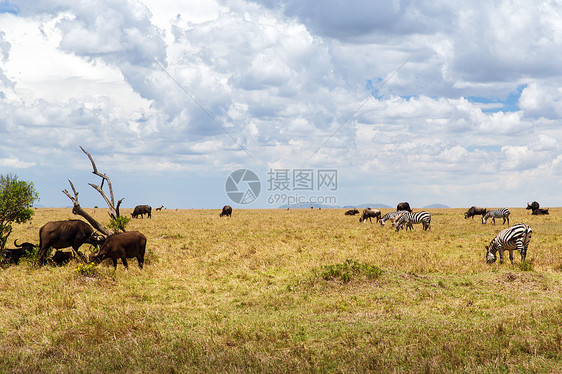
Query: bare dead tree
113 209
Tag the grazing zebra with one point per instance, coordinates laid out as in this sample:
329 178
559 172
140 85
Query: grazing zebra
517 237
497 213
410 219
390 216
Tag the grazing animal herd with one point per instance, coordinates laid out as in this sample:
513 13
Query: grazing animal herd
74 233
132 244
516 237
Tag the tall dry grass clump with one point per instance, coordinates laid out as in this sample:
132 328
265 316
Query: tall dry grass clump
290 291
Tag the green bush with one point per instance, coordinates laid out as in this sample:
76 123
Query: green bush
350 269
119 223
87 270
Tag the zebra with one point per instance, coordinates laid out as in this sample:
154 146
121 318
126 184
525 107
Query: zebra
409 219
517 237
497 213
390 216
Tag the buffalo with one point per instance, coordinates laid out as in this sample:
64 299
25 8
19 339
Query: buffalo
141 210
25 246
403 206
352 212
539 211
122 245
14 255
60 258
534 206
226 211
62 234
369 213
475 211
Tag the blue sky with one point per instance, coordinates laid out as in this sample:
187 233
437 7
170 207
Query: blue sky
449 102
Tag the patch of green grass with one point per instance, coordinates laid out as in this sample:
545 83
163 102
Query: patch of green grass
350 269
526 266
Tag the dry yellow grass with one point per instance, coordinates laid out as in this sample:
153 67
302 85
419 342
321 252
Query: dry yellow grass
250 294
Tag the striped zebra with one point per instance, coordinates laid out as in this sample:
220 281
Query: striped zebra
517 237
409 219
390 216
497 213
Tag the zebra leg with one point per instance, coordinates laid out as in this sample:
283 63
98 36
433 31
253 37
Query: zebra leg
500 250
522 249
511 256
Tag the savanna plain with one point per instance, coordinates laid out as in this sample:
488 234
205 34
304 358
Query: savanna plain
287 291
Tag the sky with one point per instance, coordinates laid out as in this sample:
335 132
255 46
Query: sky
256 104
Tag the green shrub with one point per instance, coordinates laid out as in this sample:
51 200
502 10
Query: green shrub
350 269
118 224
87 270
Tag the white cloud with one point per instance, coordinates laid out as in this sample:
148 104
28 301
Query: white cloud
15 163
284 80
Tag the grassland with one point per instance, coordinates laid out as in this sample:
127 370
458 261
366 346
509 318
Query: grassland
277 291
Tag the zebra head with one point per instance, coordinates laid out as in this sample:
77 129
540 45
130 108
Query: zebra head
399 221
490 253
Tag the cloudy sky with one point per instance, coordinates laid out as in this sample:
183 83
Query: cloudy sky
449 102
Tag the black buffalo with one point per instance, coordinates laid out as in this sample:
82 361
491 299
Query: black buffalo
534 206
369 213
14 255
60 258
539 211
122 245
352 212
403 206
62 234
141 210
226 211
475 211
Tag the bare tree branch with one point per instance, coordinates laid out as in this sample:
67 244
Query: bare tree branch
112 211
77 209
111 201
